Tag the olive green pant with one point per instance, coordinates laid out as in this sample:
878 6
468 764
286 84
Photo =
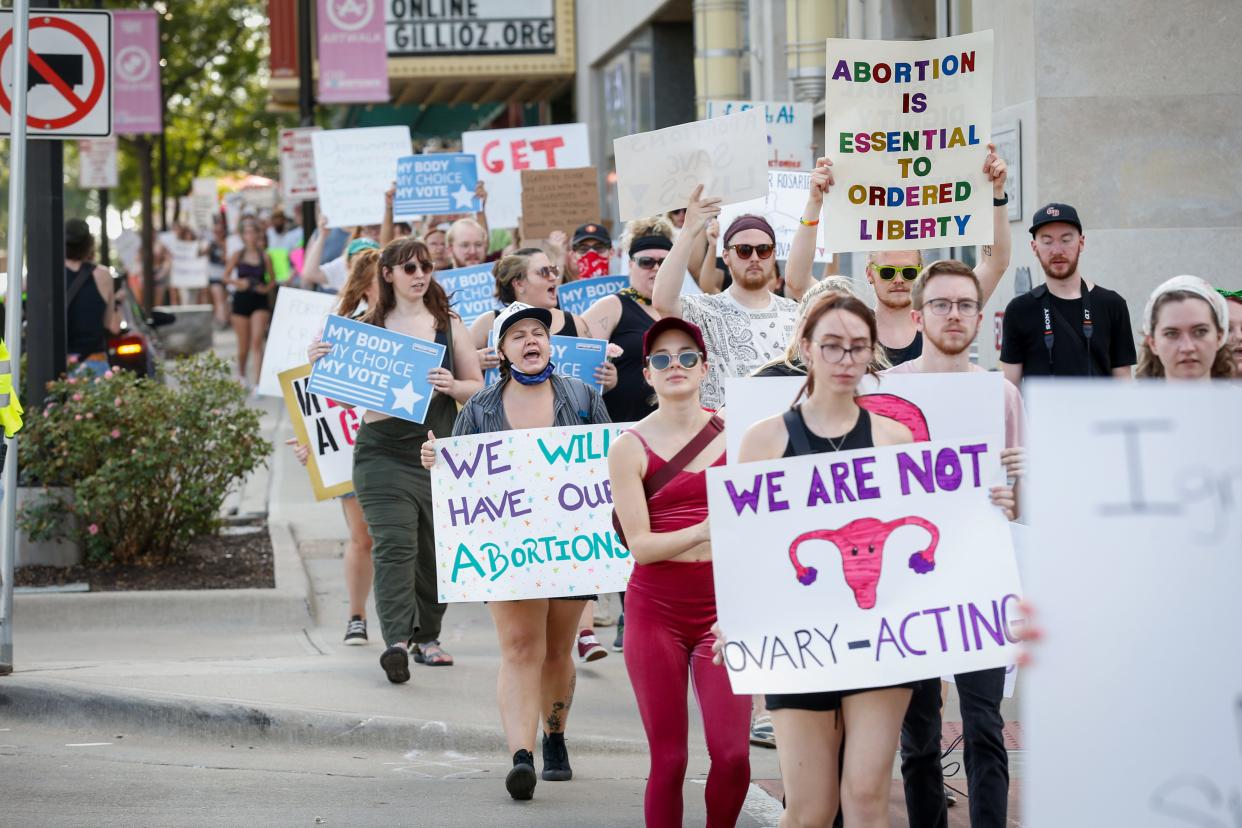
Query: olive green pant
394 491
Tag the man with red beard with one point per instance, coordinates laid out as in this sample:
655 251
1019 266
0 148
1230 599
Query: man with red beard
947 307
1066 327
746 326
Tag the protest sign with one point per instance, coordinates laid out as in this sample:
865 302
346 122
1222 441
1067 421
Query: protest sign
907 124
573 357
1135 531
804 594
297 165
782 207
204 205
789 130
282 268
657 171
353 170
296 321
471 290
558 200
935 406
129 250
97 163
526 514
376 368
504 153
189 266
435 184
327 428
576 297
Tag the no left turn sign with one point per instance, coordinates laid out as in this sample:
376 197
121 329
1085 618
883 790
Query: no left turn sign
69 79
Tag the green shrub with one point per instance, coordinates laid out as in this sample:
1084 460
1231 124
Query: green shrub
148 464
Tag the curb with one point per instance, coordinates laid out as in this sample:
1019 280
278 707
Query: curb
61 703
290 603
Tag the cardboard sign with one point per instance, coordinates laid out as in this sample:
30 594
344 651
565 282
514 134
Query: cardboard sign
657 171
862 568
504 153
353 170
189 266
526 514
296 321
97 163
908 123
297 165
1136 531
204 205
376 368
782 207
435 184
576 297
471 290
573 357
789 130
327 428
558 200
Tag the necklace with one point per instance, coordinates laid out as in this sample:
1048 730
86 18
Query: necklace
635 295
833 445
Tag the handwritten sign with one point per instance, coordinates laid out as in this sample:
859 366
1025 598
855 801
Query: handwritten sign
558 199
376 368
435 184
876 566
204 205
504 153
576 297
297 165
327 429
1136 531
573 357
526 514
782 207
657 171
789 130
353 170
907 126
471 290
296 321
189 268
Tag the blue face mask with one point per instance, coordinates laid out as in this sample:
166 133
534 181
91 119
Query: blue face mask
532 379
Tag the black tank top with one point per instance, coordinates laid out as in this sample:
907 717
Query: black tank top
570 328
914 350
857 437
84 318
630 400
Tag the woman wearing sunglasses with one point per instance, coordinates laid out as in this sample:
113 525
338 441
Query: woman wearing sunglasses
658 472
536 635
392 486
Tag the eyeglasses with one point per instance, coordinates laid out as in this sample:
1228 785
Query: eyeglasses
744 251
941 307
832 352
548 271
648 262
662 362
889 272
414 266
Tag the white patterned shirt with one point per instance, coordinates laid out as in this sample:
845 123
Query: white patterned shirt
739 340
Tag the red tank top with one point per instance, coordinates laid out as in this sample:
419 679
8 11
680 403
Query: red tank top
683 500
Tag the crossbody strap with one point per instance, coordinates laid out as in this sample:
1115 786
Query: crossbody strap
691 450
78 283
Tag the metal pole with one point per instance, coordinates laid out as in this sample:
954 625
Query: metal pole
13 319
306 100
104 252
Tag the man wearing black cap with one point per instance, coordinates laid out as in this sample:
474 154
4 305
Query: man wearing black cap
1066 327
90 303
590 251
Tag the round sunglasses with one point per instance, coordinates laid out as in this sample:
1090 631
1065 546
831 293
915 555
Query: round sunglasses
414 266
662 362
745 251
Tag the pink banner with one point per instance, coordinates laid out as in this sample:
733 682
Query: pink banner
136 104
353 58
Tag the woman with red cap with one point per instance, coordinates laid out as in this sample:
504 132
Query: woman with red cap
658 472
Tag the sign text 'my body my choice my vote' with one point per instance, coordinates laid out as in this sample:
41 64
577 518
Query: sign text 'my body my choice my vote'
434 184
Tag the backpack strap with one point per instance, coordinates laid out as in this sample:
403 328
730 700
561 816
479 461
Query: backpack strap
691 450
797 431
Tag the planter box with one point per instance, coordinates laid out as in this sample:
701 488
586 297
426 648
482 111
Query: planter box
190 334
42 553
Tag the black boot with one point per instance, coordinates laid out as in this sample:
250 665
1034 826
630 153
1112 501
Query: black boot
521 780
556 758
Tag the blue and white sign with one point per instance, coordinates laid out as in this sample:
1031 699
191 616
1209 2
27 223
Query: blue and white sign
572 356
437 183
376 368
576 297
471 290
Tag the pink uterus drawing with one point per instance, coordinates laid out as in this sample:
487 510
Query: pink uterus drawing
861 543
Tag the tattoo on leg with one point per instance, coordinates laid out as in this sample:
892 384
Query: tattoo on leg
560 709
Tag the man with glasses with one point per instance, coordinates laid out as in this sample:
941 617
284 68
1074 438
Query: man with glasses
892 272
746 326
1066 327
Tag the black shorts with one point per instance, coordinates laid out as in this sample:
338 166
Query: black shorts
565 598
821 702
247 302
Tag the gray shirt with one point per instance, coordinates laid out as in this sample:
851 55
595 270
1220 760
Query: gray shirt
574 403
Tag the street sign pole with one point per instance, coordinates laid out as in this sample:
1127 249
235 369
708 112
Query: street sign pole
306 100
13 321
104 252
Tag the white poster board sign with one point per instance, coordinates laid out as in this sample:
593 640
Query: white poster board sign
789 130
297 165
296 321
353 170
328 430
204 205
907 126
862 568
97 168
526 514
503 153
782 207
657 171
189 266
1137 557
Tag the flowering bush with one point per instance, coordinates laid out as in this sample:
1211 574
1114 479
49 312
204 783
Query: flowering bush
148 464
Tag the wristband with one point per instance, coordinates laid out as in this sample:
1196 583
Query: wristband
806 223
1000 202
